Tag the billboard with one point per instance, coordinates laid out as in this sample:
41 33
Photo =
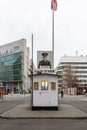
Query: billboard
45 59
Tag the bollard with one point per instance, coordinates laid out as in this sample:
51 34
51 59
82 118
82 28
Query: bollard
2 96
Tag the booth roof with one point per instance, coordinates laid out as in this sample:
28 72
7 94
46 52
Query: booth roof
50 74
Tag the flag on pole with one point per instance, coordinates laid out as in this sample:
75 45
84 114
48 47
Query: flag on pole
54 5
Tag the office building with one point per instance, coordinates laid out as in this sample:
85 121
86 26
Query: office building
78 66
14 65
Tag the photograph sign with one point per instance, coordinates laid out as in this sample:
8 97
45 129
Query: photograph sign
45 59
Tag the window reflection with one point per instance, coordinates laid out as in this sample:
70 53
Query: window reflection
11 67
35 85
44 85
53 86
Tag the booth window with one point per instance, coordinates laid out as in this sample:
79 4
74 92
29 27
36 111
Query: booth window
53 86
35 85
44 85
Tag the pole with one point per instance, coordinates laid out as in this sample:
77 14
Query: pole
53 34
32 69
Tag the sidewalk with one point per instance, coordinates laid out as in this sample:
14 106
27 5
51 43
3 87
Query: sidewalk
77 97
24 112
13 96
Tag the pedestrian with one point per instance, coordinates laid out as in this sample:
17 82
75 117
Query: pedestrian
62 93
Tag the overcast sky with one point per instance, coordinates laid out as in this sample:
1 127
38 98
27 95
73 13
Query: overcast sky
20 18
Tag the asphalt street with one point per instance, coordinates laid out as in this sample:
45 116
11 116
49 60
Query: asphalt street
42 124
12 101
79 101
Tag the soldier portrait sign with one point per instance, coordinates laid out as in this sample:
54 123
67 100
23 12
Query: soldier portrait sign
45 59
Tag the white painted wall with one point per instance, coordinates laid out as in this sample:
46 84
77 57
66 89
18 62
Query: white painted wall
45 97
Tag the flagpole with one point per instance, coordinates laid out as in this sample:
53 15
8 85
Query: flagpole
53 35
54 8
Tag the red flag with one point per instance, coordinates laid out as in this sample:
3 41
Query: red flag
54 4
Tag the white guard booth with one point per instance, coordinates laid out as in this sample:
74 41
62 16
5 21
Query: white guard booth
45 92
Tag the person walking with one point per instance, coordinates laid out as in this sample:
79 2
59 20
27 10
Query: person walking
62 93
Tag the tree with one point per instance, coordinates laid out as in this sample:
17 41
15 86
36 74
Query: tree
69 77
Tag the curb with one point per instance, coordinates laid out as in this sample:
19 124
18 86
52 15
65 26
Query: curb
81 118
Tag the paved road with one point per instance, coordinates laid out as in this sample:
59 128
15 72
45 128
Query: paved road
12 101
79 102
43 124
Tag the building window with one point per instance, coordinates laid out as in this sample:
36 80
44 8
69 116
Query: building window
16 48
36 86
44 85
53 86
6 51
10 50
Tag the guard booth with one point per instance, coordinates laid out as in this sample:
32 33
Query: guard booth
45 91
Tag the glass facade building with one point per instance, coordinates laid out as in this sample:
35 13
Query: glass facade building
11 67
14 65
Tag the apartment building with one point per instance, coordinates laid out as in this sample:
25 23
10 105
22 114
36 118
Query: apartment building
14 65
